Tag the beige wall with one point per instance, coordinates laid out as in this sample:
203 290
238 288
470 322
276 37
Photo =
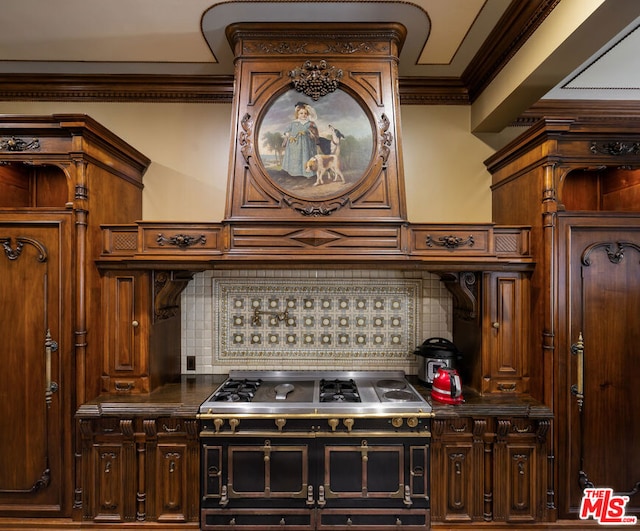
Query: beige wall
445 177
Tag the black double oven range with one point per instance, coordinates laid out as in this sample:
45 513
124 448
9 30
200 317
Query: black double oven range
303 450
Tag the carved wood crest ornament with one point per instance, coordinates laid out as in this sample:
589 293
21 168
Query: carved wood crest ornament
315 123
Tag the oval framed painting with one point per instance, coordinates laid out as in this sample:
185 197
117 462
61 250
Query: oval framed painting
315 149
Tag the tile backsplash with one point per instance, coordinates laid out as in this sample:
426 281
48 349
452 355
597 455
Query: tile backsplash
311 319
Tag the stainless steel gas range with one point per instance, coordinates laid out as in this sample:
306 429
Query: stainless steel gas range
305 450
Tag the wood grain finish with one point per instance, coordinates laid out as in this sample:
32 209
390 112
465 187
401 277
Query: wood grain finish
61 177
489 462
574 180
356 63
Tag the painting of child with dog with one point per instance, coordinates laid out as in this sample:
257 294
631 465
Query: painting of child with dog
315 149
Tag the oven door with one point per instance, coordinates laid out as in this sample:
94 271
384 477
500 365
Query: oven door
257 482
381 472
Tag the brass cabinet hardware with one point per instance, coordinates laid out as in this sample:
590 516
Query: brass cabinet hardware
50 387
577 389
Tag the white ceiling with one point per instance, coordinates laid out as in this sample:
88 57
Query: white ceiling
612 73
585 49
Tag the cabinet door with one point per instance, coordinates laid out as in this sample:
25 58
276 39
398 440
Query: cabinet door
599 381
518 471
506 315
455 480
35 278
126 307
171 482
111 473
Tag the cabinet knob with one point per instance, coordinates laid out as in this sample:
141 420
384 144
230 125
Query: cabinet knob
495 324
135 324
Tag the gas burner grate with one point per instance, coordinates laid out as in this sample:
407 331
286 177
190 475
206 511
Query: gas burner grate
339 391
237 390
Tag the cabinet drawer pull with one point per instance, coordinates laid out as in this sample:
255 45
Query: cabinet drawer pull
123 387
506 388
135 324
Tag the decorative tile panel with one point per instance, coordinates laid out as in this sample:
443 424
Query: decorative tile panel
314 319
324 319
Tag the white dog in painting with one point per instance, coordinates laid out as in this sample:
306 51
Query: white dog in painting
325 165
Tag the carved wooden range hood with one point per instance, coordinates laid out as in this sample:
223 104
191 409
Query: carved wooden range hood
315 169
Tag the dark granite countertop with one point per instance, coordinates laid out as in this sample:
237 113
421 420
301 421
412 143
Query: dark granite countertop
183 398
179 399
474 405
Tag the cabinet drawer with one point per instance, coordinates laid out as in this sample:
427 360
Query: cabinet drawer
443 241
125 385
368 519
256 520
194 239
457 426
505 386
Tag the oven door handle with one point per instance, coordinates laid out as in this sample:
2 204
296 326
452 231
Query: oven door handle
310 500
224 496
321 499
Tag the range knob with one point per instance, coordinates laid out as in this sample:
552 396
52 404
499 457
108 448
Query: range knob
396 422
348 423
412 422
333 423
234 424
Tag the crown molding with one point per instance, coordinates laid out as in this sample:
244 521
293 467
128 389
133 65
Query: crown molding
517 24
185 89
583 109
116 88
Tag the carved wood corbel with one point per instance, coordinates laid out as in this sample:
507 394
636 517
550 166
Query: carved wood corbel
464 289
167 288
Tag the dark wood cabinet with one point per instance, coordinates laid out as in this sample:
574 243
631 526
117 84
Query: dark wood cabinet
488 467
141 329
140 469
505 333
61 176
127 321
576 182
109 459
491 328
456 471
